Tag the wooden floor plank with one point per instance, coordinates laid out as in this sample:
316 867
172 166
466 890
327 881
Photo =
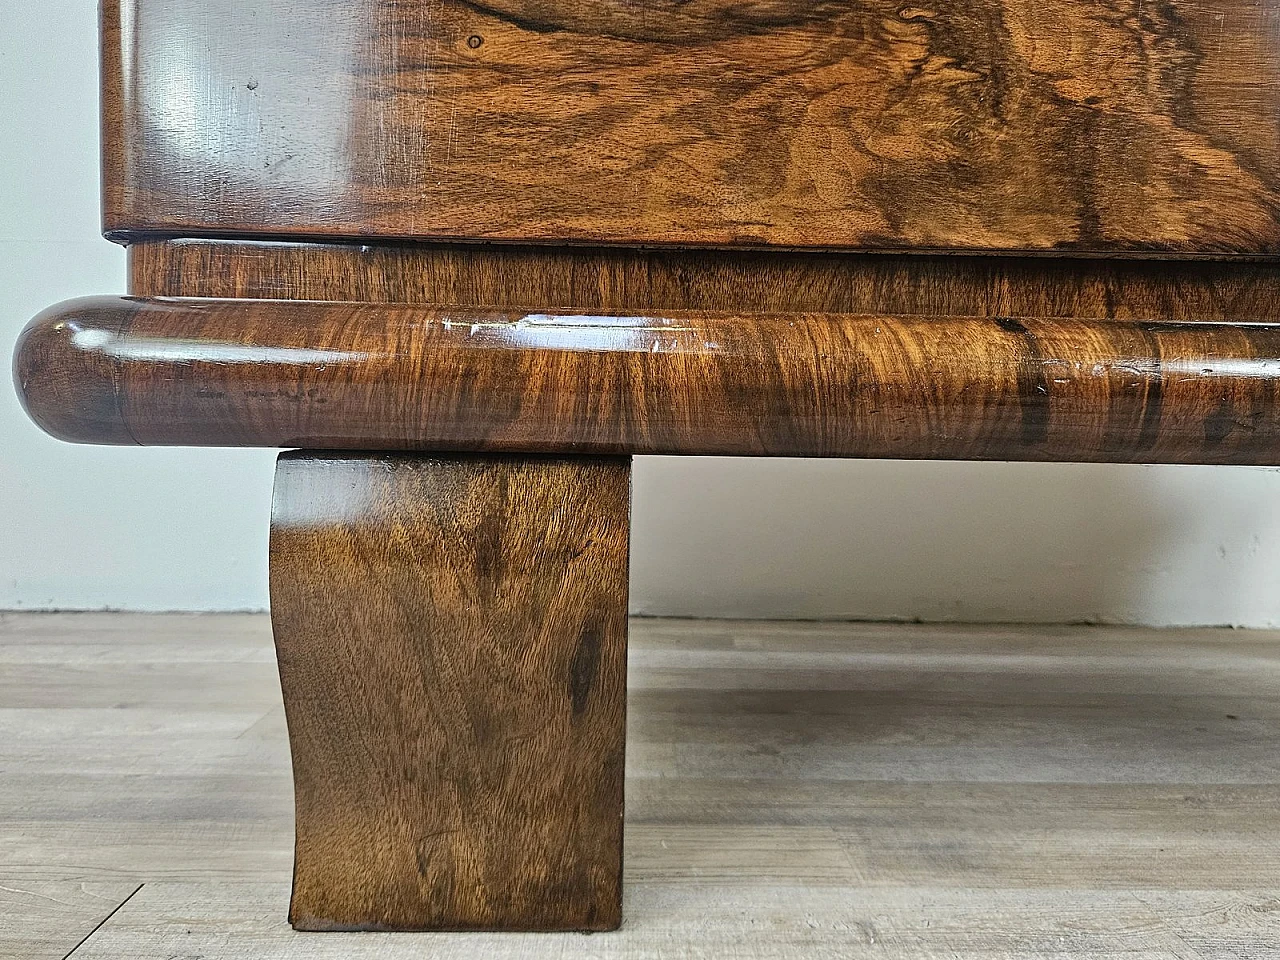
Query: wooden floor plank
794 790
177 633
47 918
233 921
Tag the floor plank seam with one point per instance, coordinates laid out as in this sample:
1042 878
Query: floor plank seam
794 791
103 921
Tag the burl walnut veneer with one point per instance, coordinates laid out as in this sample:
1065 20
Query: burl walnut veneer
1015 229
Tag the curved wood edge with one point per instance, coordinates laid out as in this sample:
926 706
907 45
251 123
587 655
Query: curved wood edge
66 376
394 376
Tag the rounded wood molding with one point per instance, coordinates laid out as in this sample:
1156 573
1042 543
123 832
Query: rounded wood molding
331 375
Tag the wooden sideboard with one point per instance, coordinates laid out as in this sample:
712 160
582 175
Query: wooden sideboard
470 257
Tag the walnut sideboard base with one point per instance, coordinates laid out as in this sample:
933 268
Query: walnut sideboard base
451 634
449 546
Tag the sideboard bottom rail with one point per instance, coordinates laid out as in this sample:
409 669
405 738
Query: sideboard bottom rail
378 376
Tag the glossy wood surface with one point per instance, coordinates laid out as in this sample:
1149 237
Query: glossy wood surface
332 375
451 634
1035 125
616 279
621 280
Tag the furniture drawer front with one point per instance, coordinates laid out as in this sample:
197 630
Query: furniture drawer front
1119 127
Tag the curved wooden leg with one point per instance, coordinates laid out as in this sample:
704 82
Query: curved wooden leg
451 634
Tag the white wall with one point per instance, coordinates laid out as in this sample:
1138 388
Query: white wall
95 526
90 527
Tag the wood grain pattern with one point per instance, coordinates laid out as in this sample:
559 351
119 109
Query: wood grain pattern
1072 125
331 375
451 636
619 279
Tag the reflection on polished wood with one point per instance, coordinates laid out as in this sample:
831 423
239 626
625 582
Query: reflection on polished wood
331 375
637 280
964 124
451 635
450 615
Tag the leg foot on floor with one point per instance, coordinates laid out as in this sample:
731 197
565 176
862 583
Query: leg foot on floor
451 633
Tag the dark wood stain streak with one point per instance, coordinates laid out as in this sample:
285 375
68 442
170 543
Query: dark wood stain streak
583 668
457 747
1033 384
488 543
395 376
1153 381
1035 125
1219 424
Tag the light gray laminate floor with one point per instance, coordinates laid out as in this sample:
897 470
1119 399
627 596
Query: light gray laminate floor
794 790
